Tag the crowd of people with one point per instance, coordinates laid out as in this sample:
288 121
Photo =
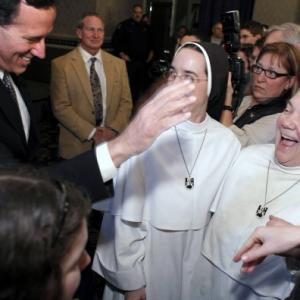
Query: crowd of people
204 198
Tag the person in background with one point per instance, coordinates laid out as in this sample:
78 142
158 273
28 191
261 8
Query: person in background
191 36
85 116
276 78
249 54
217 33
146 19
174 42
24 26
132 41
162 197
255 51
244 53
250 32
286 32
43 232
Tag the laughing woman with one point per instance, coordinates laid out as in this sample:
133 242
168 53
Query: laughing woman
151 237
264 181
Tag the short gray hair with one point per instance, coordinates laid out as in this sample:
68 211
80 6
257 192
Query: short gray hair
87 14
290 32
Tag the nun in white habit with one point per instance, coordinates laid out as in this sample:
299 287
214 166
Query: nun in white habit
264 181
151 236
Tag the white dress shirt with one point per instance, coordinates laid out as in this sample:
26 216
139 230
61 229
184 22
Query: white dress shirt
101 74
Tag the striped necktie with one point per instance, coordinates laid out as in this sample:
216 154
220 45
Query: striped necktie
97 93
8 84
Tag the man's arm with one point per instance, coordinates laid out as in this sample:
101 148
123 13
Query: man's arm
168 107
226 116
83 170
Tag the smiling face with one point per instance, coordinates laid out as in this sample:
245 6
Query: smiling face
287 149
74 262
24 38
91 34
264 88
189 63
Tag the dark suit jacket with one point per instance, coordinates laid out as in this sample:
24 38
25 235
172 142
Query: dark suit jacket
13 144
14 149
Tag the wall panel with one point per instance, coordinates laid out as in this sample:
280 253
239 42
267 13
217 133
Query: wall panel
276 11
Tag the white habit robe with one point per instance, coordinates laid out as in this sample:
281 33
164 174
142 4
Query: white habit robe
152 234
235 219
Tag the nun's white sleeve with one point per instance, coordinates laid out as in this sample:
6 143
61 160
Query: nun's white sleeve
120 254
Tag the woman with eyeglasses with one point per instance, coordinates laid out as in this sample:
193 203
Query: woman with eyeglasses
151 235
276 77
43 233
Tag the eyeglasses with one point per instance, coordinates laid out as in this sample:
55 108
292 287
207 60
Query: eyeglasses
171 75
268 73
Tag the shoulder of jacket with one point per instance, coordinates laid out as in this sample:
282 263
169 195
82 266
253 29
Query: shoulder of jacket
66 57
108 56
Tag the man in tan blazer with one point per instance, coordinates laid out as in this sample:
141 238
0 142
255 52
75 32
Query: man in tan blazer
72 96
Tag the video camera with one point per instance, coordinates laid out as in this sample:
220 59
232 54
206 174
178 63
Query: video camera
231 30
160 66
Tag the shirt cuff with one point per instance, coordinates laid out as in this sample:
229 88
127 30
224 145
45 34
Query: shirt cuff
106 165
91 135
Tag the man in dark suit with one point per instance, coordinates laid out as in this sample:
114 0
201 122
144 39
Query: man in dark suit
14 143
132 41
24 25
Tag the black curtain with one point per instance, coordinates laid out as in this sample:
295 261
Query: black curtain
211 10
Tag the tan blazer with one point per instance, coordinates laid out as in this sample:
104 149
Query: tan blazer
72 100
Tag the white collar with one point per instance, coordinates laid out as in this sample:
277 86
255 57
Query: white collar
87 56
194 127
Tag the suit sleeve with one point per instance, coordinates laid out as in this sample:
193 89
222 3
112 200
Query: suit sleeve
124 109
62 102
7 159
83 171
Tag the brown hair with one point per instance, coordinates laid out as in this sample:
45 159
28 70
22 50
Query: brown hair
289 57
39 219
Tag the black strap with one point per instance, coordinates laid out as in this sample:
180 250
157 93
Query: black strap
261 110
